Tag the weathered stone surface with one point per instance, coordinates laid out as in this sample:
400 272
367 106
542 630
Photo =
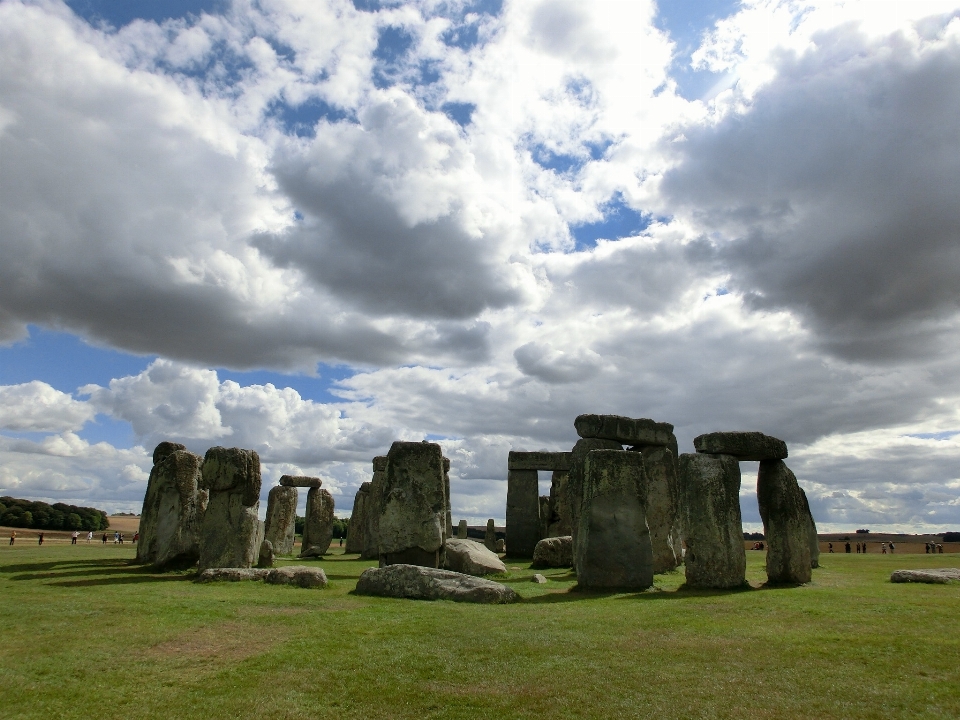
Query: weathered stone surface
358 520
558 523
742 445
300 481
786 524
500 546
662 505
523 512
281 524
462 530
539 579
413 505
173 509
554 552
938 576
297 576
710 502
421 583
231 532
472 558
574 484
614 549
490 536
538 461
812 540
371 535
317 524
231 574
448 526
545 514
265 558
624 430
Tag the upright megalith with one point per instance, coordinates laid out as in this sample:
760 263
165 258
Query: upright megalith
575 480
662 503
812 540
551 511
613 548
558 524
462 530
231 532
523 512
358 520
545 514
710 501
490 536
742 445
371 534
281 524
412 505
448 526
318 523
786 524
173 508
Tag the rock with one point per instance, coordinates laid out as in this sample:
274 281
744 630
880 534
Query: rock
554 552
462 530
558 524
613 549
710 502
812 540
421 583
297 576
173 509
662 505
938 576
300 481
742 445
539 579
231 574
413 505
578 457
317 524
538 461
231 532
490 536
624 430
500 546
358 520
371 535
523 512
545 514
281 524
448 526
471 558
265 559
786 524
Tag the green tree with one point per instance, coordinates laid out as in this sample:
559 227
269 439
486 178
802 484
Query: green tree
74 521
26 520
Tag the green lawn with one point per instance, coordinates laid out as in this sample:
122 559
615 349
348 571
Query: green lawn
84 634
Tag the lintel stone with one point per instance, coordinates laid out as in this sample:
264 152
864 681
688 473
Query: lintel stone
624 430
300 481
742 445
538 461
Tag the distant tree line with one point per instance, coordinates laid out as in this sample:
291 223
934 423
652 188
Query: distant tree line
340 526
951 537
59 516
753 536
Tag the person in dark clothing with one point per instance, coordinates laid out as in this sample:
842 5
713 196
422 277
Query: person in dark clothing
40 539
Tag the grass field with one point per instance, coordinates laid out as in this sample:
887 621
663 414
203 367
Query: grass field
85 634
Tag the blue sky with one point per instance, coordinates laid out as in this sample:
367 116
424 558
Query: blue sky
313 231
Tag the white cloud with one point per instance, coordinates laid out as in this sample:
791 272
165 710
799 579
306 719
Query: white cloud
37 407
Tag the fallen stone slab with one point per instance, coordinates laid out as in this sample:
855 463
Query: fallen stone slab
624 430
938 576
231 574
742 445
300 481
297 576
538 460
472 558
422 583
555 552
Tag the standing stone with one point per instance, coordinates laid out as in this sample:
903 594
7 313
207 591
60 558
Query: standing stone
318 523
523 512
462 530
614 548
785 524
578 457
281 524
500 546
812 540
710 499
231 532
545 514
266 556
173 508
559 524
371 535
490 537
413 506
358 520
448 527
663 507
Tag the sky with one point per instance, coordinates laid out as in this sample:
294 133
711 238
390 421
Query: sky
313 227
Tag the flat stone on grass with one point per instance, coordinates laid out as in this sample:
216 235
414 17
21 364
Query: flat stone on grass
422 583
937 576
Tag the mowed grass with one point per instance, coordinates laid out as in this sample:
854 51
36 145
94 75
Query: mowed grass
85 634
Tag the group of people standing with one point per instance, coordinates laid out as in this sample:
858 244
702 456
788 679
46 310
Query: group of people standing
117 537
934 548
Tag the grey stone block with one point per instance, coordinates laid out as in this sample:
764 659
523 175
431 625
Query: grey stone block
786 523
742 445
624 430
281 524
538 460
523 512
300 481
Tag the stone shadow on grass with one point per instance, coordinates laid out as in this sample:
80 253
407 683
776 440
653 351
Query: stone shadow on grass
66 564
121 580
575 594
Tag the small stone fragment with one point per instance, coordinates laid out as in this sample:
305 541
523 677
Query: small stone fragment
742 445
539 579
422 583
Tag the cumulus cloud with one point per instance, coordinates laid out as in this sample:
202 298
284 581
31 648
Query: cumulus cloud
37 407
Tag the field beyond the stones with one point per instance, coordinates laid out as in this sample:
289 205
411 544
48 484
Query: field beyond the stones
83 634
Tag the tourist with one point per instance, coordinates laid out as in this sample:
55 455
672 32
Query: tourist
116 537
829 547
864 548
892 548
847 547
940 548
104 538
858 548
13 536
136 536
73 538
883 548
90 536
121 538
40 539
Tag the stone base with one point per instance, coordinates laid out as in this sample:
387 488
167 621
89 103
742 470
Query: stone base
412 556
